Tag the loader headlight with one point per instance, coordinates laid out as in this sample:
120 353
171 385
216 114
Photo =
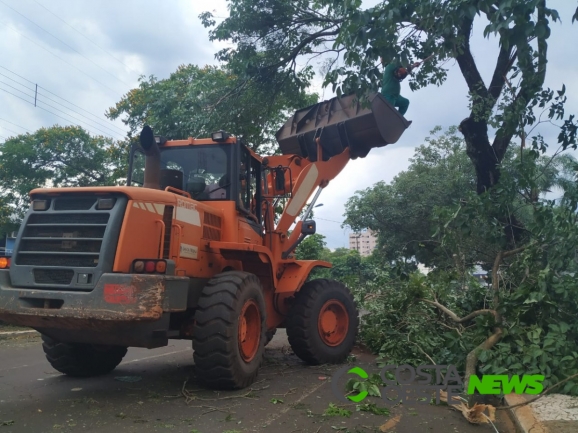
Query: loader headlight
40 204
4 262
219 136
105 203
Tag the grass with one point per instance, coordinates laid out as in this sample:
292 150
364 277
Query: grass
334 410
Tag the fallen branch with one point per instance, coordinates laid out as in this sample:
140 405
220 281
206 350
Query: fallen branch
226 409
455 317
189 396
449 327
291 391
246 395
472 358
420 349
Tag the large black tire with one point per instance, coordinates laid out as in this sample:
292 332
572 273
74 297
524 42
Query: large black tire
82 360
303 323
222 360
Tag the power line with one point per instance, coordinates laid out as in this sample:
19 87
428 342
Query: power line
7 121
60 58
333 221
12 72
87 38
61 41
98 119
15 95
12 79
77 119
42 108
82 115
18 90
8 129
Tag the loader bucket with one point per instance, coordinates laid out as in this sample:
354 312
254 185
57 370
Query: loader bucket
340 123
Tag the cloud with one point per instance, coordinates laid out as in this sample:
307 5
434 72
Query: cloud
118 42
154 37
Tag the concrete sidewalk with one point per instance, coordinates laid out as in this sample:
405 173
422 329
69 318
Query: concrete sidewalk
554 413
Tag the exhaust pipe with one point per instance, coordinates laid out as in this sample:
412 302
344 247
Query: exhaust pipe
153 158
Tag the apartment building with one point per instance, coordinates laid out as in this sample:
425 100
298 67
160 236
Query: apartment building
364 242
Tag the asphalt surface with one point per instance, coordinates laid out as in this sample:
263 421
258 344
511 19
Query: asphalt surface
156 391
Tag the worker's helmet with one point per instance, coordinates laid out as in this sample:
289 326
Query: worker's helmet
401 72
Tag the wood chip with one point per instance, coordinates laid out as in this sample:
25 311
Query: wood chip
390 424
476 415
444 398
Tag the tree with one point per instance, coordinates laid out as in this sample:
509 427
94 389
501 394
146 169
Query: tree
522 320
440 176
272 36
58 157
401 212
197 101
312 248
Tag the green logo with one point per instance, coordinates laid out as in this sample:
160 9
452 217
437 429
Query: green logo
361 373
502 384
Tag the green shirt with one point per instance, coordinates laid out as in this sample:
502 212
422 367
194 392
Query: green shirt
390 86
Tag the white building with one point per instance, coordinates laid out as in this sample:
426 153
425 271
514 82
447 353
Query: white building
364 242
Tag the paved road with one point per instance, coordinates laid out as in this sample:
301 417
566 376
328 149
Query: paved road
36 398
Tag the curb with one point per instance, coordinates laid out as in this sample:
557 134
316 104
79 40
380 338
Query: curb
10 334
524 417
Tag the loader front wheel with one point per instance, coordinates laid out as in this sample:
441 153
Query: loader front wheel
322 323
229 332
82 360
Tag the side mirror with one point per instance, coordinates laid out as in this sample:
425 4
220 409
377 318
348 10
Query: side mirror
308 227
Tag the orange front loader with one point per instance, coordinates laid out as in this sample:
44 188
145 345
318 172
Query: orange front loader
192 248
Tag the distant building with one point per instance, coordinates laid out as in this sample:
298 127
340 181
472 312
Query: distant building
364 242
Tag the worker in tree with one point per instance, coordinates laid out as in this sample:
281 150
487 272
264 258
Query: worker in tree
394 74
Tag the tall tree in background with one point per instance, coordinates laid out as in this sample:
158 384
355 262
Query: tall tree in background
440 176
273 36
197 101
56 156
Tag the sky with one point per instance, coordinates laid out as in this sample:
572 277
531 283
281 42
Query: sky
84 55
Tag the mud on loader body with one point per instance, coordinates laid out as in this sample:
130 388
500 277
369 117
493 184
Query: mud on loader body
191 249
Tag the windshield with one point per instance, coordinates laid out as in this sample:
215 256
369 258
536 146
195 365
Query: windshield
202 171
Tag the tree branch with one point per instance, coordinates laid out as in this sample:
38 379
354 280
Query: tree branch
295 51
533 79
455 317
503 65
467 63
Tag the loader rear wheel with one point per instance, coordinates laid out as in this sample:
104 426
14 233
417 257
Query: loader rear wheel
322 323
229 332
82 360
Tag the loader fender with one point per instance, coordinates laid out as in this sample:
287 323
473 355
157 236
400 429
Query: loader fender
256 259
296 273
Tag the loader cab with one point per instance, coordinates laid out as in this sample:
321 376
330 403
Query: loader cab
208 170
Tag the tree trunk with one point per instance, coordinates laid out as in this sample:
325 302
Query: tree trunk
481 153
